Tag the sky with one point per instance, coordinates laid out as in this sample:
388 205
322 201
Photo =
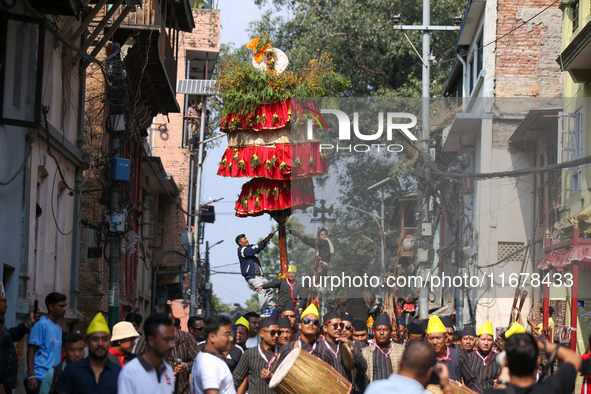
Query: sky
230 288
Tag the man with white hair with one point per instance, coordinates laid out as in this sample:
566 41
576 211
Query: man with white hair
8 358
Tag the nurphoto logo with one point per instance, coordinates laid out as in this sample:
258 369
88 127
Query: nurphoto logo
344 125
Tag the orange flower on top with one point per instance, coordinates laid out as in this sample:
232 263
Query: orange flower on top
252 44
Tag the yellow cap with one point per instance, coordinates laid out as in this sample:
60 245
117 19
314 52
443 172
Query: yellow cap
98 324
292 268
515 328
487 328
311 310
242 322
435 325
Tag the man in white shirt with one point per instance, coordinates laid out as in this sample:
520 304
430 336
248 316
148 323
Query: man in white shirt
210 373
148 373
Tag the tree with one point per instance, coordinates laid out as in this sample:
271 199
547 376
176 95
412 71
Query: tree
360 37
217 306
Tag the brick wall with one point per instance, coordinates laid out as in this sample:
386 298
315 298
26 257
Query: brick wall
525 64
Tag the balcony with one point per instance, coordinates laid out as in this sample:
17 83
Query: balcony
152 48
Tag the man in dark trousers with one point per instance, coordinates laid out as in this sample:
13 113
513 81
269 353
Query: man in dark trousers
8 358
251 269
256 363
323 252
286 286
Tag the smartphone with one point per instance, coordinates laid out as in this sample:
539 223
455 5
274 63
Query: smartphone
36 308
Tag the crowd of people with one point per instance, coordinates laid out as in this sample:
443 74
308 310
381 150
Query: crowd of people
221 356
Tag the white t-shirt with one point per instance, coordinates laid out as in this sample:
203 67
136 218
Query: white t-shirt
211 373
252 342
135 378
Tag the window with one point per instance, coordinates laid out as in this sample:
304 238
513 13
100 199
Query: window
570 144
479 55
574 4
149 219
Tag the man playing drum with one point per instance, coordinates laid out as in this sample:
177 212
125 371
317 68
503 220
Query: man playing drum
257 363
356 375
309 326
328 346
383 357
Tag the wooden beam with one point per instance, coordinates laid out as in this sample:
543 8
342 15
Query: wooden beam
72 19
95 10
111 30
97 30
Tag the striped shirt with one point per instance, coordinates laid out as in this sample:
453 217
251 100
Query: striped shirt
252 362
483 370
289 346
185 348
357 375
329 353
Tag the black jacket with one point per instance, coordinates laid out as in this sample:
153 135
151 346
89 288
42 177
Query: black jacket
8 359
285 292
248 259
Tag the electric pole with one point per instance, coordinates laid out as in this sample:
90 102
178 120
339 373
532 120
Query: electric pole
423 200
116 126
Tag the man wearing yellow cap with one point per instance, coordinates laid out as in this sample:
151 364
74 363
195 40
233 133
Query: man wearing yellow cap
447 355
95 373
482 361
309 327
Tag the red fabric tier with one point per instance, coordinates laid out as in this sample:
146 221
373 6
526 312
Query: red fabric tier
273 162
260 196
564 257
266 116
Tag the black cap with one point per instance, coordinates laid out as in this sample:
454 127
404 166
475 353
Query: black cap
416 327
401 321
346 316
266 322
446 320
289 306
359 325
468 330
329 316
382 320
284 323
238 238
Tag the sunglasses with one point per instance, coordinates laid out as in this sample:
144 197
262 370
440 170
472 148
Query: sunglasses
306 320
197 328
336 325
272 332
348 327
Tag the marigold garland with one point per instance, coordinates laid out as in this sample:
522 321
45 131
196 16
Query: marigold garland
242 87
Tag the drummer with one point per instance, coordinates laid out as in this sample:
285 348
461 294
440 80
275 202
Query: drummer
328 346
356 375
309 326
383 357
286 333
360 334
257 363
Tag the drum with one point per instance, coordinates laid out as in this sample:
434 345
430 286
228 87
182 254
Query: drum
302 373
458 388
347 356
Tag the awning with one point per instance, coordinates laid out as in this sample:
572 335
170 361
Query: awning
576 57
566 256
537 123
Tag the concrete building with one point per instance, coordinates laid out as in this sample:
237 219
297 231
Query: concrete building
505 74
139 83
170 140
